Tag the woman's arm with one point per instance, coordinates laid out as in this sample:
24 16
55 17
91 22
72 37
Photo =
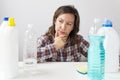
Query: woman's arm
45 49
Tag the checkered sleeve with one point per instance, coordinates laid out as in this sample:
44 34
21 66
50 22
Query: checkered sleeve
44 49
83 46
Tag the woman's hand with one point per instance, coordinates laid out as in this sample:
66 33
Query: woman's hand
59 41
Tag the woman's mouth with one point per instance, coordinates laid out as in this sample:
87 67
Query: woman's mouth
63 33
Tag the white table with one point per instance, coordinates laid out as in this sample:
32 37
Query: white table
59 71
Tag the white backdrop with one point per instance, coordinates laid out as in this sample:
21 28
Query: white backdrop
40 13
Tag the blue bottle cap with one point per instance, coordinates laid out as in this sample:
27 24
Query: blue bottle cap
6 18
107 23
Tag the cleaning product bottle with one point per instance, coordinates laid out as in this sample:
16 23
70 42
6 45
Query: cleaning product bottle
9 53
112 46
96 55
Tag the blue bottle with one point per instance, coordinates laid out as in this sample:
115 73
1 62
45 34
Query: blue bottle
96 57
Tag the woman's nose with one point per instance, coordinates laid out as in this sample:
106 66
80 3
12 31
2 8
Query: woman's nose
63 27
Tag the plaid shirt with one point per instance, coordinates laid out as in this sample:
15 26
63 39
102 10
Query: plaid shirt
46 51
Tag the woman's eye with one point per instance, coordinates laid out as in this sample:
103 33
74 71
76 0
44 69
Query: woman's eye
60 21
69 24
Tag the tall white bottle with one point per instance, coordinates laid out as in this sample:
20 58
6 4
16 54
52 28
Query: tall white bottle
2 48
9 53
112 45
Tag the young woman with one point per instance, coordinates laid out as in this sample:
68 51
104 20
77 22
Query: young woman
61 43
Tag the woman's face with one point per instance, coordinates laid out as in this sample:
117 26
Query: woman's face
64 24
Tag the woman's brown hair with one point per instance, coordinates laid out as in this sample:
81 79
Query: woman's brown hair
62 10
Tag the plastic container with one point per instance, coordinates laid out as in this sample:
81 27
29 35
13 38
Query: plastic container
9 52
96 57
96 54
30 48
111 44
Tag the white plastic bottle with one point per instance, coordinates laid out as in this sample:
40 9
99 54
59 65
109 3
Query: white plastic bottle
112 45
2 27
30 48
9 53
